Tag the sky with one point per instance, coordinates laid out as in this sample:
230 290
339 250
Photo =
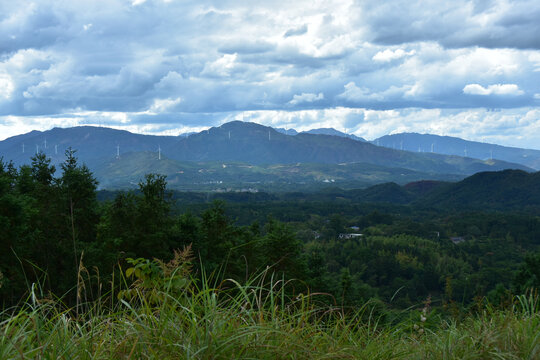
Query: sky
460 68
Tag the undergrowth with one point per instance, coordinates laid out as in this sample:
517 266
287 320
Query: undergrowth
163 312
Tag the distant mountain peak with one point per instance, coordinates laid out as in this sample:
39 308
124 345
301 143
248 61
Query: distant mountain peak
245 125
333 132
287 131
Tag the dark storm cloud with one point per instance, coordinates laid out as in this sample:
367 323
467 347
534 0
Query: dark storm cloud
491 24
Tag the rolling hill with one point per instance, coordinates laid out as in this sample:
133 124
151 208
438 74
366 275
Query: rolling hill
127 170
501 190
507 190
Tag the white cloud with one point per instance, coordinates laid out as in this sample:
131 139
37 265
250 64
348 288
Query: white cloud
496 89
6 86
221 67
537 96
355 93
220 57
164 105
389 55
306 98
15 125
534 58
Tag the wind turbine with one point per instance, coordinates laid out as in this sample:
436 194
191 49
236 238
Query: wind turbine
159 152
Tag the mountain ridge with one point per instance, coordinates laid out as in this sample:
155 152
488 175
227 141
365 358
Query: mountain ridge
241 142
449 145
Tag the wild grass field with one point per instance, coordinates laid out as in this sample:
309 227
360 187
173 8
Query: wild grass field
160 311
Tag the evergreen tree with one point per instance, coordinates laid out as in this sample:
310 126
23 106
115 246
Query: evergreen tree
154 223
217 237
139 225
282 250
528 276
78 190
15 227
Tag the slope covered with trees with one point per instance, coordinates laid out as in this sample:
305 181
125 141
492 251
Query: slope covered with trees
301 277
54 224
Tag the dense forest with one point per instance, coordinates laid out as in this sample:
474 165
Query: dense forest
400 255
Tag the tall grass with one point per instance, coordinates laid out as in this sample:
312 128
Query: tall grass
259 319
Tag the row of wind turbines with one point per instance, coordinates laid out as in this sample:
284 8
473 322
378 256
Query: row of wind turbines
37 147
229 138
433 147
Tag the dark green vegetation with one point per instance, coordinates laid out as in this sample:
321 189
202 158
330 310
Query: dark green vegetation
241 155
405 253
166 314
266 275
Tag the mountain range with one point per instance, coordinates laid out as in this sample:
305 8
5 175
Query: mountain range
446 145
455 146
243 152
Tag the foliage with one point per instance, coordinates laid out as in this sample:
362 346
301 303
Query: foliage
156 279
46 221
284 286
528 276
403 255
255 319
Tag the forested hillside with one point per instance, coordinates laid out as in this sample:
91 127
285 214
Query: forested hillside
398 254
306 276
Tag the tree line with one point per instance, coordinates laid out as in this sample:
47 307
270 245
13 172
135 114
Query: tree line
53 225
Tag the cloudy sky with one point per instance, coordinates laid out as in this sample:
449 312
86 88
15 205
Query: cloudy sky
462 68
